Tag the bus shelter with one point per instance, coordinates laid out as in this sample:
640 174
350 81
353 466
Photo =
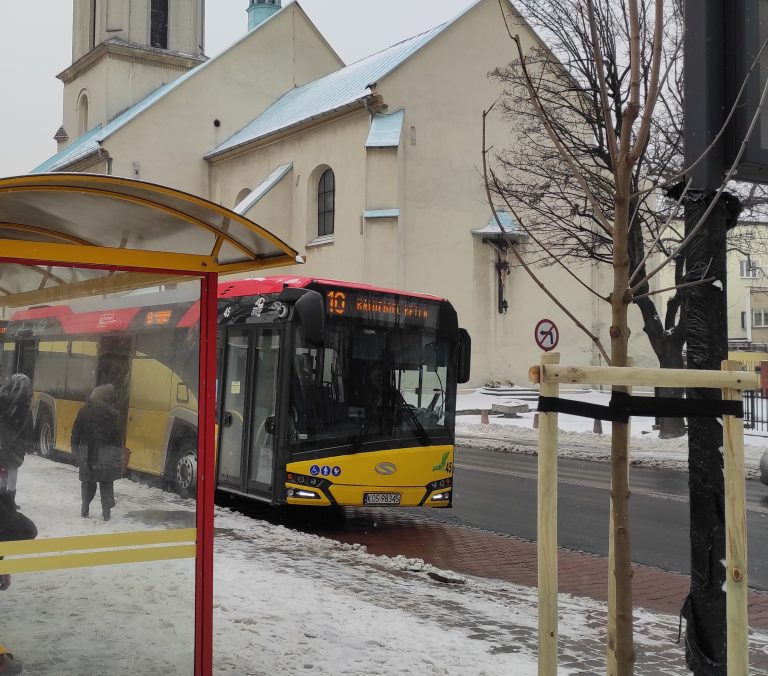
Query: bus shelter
93 271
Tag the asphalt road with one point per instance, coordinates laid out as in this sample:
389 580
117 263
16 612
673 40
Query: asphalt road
497 492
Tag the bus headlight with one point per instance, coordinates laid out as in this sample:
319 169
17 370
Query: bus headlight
307 495
439 497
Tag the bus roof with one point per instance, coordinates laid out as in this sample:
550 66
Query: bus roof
120 313
259 285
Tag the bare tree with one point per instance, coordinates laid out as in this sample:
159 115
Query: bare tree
593 174
567 205
584 105
583 110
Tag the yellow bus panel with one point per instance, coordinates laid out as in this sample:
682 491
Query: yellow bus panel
146 437
66 412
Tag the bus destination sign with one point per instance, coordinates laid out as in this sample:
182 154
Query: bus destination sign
385 308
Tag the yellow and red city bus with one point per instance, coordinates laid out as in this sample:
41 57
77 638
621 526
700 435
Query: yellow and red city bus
329 393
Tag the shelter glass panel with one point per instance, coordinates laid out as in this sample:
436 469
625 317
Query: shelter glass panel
98 438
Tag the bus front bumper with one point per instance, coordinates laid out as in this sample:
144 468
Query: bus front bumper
344 495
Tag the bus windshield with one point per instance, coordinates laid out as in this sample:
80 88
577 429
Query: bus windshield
368 386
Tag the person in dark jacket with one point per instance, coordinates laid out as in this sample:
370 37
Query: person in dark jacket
16 432
15 442
96 429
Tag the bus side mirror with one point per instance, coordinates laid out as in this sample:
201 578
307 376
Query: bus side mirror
310 311
465 354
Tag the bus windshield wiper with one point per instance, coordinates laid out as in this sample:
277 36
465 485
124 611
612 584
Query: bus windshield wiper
403 405
357 442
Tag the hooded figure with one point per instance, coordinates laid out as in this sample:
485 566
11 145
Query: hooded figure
15 441
96 433
16 433
16 428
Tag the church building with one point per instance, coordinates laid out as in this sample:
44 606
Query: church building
372 170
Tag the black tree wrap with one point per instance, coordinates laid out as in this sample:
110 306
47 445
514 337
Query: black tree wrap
623 405
707 347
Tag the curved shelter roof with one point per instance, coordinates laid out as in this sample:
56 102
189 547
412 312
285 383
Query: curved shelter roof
91 224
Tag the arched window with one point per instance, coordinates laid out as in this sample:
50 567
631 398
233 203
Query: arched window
158 32
82 114
326 203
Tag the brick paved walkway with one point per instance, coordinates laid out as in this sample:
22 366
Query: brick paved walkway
476 552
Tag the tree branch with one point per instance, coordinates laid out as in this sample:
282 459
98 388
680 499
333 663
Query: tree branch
527 268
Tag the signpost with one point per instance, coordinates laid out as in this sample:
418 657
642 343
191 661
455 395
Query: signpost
546 335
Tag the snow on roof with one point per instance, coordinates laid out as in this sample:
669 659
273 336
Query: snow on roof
510 227
327 94
332 92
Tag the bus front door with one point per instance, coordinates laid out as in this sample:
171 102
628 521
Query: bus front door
246 427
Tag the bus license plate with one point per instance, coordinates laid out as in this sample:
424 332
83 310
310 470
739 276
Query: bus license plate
381 498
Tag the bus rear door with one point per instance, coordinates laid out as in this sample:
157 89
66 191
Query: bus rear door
247 411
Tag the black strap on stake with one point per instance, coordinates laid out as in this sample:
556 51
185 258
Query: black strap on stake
623 405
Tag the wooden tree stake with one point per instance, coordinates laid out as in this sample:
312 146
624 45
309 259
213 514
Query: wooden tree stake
547 528
735 536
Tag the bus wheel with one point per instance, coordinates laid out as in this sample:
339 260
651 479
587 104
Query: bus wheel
185 468
45 435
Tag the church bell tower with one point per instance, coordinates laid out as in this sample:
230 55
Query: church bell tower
260 10
122 51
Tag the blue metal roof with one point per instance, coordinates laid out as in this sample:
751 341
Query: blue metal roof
262 189
385 130
329 93
381 213
510 226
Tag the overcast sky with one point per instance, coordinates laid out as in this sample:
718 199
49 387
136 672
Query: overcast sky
36 44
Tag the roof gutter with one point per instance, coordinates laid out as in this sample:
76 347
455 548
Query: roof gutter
85 160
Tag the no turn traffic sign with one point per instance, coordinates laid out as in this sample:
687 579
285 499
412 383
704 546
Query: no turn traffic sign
546 335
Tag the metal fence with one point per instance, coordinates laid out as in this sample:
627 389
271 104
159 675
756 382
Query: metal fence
755 410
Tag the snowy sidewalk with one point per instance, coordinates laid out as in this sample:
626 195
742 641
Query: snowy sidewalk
288 602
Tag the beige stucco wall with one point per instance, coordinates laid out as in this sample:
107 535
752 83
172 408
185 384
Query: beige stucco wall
91 84
340 146
743 293
169 140
113 85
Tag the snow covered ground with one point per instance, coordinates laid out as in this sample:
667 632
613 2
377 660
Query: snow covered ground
287 602
576 438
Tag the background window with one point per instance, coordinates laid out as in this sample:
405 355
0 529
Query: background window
748 269
326 200
760 319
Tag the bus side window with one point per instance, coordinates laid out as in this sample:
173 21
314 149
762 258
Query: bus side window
8 364
51 366
81 370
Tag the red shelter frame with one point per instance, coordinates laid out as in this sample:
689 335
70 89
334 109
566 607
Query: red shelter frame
56 221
